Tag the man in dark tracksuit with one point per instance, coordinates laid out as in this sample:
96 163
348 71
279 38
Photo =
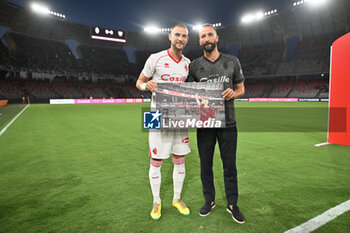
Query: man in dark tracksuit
217 67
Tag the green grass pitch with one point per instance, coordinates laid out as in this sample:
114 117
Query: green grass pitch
84 168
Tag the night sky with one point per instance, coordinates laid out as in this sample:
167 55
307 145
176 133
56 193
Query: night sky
133 15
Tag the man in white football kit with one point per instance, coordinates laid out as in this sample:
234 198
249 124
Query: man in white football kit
167 66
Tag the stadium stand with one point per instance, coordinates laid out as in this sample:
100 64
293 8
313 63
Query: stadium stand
41 55
311 56
114 90
324 91
38 89
102 60
65 90
282 89
307 89
255 90
140 59
4 53
102 68
261 60
92 90
11 90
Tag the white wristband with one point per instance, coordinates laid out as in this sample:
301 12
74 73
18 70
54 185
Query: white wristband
143 87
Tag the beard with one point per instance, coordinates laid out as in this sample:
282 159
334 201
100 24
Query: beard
210 48
175 46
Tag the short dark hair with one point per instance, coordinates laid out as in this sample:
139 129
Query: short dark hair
179 25
209 25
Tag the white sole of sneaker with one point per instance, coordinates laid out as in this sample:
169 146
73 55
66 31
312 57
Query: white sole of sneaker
234 218
203 215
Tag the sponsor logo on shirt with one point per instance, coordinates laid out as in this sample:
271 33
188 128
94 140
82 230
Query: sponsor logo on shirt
217 79
167 77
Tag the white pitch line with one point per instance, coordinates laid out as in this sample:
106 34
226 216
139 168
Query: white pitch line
322 144
8 125
321 219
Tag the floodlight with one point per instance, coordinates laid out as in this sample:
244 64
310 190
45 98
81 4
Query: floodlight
42 9
151 29
197 27
317 2
247 18
38 8
259 15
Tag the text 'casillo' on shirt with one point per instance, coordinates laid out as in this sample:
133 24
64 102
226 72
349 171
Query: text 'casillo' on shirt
227 69
162 67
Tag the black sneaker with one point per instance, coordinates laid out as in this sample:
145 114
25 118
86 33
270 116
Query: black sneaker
205 210
236 214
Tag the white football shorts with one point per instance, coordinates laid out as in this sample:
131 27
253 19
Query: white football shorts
162 143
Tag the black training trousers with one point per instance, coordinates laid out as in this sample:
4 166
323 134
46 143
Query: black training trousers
206 140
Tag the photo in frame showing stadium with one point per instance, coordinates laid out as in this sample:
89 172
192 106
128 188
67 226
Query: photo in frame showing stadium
191 105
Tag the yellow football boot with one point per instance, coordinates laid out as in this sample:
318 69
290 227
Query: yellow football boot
181 207
156 211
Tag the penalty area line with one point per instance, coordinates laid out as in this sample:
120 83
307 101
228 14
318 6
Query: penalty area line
13 120
321 219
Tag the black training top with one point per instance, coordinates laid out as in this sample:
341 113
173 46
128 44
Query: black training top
227 69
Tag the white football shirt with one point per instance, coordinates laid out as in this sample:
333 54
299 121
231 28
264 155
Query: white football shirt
162 67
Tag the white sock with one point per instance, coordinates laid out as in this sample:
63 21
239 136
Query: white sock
155 180
178 179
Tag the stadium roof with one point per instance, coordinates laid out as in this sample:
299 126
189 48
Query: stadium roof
292 22
133 15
